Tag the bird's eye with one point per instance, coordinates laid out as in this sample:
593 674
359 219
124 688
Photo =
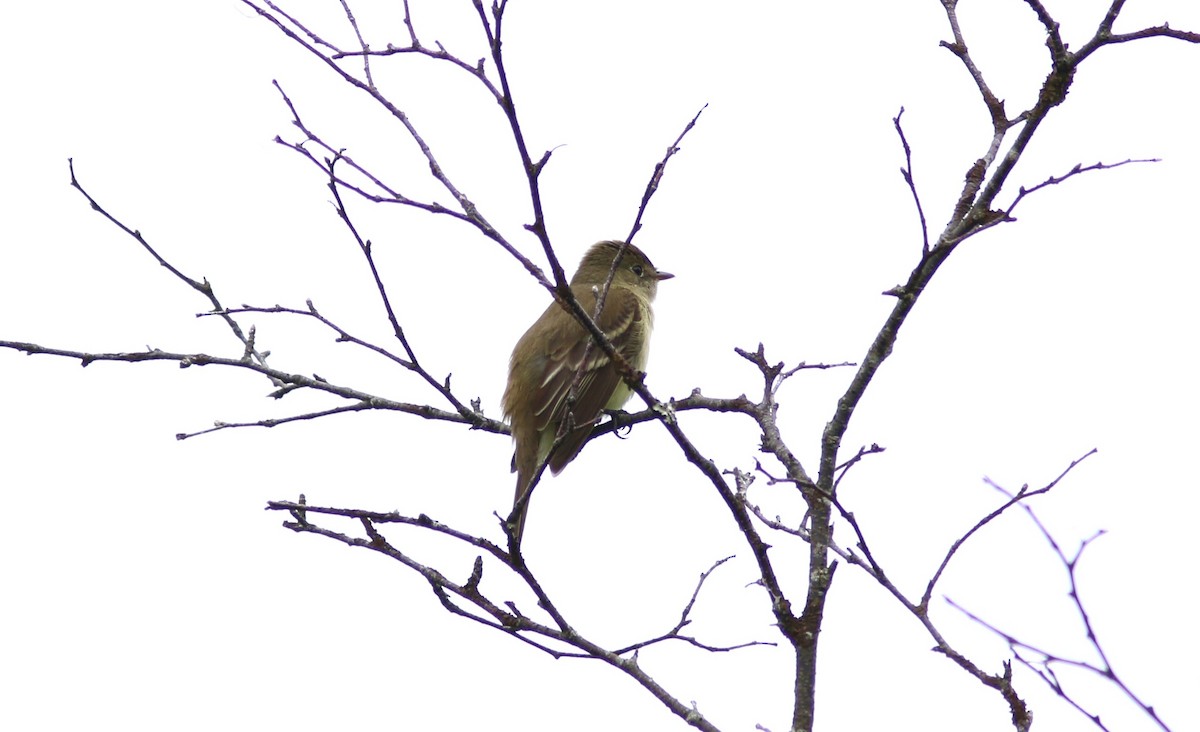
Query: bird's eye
637 270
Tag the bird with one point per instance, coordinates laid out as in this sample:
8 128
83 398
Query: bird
547 358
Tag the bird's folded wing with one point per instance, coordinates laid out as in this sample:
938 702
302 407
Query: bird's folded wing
621 323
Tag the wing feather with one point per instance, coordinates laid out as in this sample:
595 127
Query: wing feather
556 361
622 323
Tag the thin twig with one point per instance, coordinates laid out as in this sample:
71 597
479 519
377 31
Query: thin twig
364 246
656 176
203 287
1013 500
907 173
275 422
1077 170
366 50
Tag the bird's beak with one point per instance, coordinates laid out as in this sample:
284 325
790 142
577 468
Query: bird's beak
664 276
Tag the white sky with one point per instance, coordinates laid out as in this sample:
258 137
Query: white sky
145 589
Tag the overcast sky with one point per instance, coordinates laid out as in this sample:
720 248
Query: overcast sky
144 588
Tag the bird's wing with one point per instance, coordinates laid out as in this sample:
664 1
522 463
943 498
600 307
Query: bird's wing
622 323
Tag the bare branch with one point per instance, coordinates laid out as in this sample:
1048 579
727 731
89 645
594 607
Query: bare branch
844 468
442 388
288 380
203 287
491 613
218 426
1043 666
995 107
493 31
656 176
1013 500
343 336
974 211
1077 170
277 17
366 57
907 173
389 195
1104 35
685 619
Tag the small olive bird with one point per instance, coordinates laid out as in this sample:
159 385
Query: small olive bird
548 357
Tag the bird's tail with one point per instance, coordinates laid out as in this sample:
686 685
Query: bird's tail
520 507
